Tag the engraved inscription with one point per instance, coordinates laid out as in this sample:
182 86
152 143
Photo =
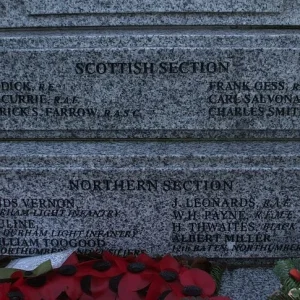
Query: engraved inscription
134 6
150 92
23 232
253 99
242 226
217 214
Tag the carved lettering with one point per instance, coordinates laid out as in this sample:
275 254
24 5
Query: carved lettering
138 68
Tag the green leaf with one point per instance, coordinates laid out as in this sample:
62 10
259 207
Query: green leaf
43 268
217 273
282 269
290 284
296 294
5 273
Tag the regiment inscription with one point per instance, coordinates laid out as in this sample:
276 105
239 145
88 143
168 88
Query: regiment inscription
150 92
198 208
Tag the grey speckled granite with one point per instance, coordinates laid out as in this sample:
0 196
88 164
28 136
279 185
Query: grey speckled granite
48 13
220 200
50 7
145 84
249 284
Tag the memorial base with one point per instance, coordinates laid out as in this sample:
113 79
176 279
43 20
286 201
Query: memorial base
218 200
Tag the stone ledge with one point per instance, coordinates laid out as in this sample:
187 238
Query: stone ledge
130 12
173 84
219 200
249 284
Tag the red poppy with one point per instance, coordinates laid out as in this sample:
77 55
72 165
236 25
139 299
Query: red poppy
197 282
50 285
98 288
294 273
166 280
42 287
115 278
100 278
71 260
120 261
107 267
4 289
168 262
139 275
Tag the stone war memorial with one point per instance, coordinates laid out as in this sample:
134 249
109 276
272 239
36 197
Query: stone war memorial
165 127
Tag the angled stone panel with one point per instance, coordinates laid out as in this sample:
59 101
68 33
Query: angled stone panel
219 85
222 200
49 7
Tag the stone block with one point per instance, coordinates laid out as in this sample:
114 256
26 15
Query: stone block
92 13
183 84
261 284
48 7
219 200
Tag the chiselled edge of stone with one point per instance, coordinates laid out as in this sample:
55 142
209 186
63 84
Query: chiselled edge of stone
152 135
53 7
220 39
17 16
151 155
131 39
236 263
